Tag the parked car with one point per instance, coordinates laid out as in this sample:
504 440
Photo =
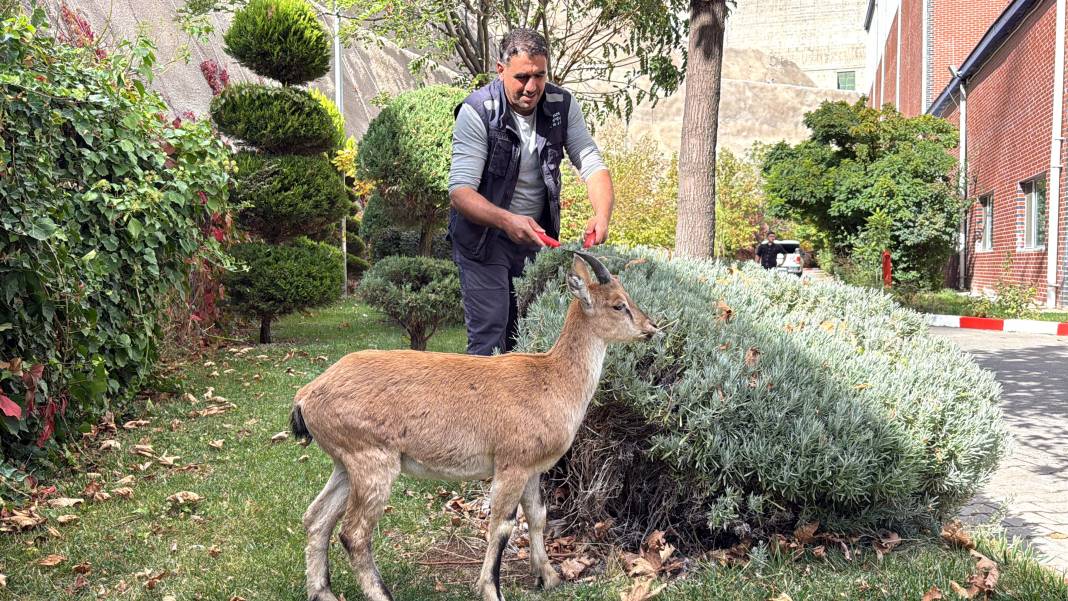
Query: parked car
793 261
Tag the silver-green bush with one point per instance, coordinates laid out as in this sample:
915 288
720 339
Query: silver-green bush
768 402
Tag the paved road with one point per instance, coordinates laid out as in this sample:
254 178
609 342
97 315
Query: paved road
1031 485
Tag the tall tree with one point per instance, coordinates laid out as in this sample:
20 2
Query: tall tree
873 180
696 229
612 54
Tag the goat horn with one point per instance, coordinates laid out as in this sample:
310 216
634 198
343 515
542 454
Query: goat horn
599 270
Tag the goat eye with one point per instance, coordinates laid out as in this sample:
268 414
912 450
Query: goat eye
620 307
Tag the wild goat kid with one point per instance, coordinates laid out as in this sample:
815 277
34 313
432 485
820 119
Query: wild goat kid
457 417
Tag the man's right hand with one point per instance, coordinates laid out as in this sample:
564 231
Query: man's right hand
522 230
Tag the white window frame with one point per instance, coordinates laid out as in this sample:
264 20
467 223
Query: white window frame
985 242
1035 206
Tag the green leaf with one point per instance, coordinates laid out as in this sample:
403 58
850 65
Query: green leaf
135 227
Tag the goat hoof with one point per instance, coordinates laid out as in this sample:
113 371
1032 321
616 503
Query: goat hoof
549 580
322 596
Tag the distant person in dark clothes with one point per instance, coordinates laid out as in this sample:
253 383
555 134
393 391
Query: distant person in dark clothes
768 251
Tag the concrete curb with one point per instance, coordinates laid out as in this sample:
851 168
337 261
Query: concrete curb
1026 326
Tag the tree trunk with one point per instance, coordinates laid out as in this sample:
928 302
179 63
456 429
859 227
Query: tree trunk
426 241
265 330
696 229
418 340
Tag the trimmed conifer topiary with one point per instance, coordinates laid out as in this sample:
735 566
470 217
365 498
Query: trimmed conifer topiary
407 151
767 403
275 119
282 278
288 195
280 39
419 294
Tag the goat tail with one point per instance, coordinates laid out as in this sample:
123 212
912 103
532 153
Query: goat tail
297 425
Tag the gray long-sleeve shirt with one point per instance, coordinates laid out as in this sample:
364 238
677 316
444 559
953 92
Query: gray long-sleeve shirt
470 147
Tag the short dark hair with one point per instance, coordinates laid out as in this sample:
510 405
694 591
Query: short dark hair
773 234
523 41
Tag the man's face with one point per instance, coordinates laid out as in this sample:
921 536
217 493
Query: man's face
524 81
771 237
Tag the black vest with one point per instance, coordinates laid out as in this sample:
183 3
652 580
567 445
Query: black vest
501 171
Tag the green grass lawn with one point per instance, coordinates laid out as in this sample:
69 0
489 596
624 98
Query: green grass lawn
951 302
245 537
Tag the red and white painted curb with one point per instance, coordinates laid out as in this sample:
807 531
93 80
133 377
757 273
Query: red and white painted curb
1026 326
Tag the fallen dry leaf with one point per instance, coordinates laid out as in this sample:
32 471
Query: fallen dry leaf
153 580
932 594
3 581
986 579
24 519
571 568
217 444
92 487
167 460
110 445
214 551
725 311
641 590
439 587
954 534
962 592
1058 535
886 543
124 492
638 566
237 598
144 450
752 356
82 568
280 436
781 597
65 502
135 424
805 532
51 560
67 519
185 497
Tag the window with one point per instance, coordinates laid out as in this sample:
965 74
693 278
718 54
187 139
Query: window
1034 193
986 223
847 80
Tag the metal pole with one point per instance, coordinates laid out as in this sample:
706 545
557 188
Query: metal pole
338 101
1053 188
963 182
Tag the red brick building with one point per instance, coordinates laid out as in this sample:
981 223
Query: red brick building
996 69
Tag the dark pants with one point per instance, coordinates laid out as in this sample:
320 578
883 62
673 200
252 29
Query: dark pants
489 298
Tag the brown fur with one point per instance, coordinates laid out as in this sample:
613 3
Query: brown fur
441 415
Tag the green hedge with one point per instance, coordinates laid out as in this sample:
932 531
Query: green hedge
280 39
102 205
283 278
767 403
275 119
419 294
288 195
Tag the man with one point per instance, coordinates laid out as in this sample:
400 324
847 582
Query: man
504 183
768 251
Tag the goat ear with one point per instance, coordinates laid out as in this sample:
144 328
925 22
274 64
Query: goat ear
583 270
579 289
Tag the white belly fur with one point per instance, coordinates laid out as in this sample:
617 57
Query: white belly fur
475 468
